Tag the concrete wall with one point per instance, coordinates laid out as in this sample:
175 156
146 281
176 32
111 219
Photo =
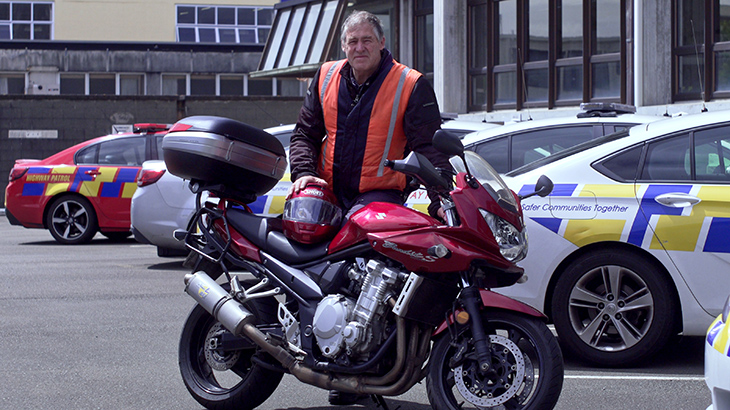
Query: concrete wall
78 118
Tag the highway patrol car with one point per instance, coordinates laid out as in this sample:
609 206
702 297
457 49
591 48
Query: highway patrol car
83 189
631 247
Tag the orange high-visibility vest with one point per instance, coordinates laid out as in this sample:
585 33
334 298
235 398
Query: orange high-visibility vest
385 136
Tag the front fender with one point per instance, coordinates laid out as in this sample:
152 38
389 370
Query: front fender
494 300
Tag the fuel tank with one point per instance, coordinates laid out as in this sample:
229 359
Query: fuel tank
379 217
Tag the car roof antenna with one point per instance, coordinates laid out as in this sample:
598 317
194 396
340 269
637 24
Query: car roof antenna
699 72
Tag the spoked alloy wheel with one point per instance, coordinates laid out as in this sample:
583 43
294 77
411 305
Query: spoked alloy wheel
72 220
526 370
220 379
613 311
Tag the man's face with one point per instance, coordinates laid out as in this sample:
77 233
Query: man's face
362 48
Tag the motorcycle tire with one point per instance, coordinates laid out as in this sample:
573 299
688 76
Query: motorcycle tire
526 371
225 380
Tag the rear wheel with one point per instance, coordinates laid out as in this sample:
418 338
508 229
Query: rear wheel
72 220
220 379
526 371
613 309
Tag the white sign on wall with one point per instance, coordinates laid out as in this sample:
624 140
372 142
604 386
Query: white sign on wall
33 134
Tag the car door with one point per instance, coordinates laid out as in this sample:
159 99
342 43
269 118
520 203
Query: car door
107 175
684 192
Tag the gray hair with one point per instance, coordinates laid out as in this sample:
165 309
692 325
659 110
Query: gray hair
358 17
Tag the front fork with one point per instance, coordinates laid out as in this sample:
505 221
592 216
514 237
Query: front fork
471 300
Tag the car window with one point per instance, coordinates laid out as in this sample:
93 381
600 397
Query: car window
668 160
533 145
568 152
609 128
123 151
87 155
158 143
712 154
496 152
622 166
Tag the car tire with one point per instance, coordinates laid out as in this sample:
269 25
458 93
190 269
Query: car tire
72 220
613 308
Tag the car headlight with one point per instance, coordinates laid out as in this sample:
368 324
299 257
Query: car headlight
512 242
726 311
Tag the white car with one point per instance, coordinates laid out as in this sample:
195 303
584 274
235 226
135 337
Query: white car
514 145
163 203
717 360
631 247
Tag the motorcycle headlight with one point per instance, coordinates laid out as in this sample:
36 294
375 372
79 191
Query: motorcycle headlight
512 243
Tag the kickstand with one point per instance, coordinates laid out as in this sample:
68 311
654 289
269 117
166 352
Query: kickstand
380 401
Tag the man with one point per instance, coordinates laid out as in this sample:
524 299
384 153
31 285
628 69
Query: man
359 112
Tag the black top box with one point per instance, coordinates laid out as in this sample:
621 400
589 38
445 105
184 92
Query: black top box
216 150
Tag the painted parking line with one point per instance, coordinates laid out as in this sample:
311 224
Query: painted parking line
624 377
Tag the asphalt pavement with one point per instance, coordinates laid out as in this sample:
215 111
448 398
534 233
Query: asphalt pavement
96 327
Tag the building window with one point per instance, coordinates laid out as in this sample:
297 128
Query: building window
131 84
102 84
12 84
701 55
423 41
224 24
26 20
545 53
73 84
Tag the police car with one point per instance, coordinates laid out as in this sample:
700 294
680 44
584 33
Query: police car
631 247
717 360
83 189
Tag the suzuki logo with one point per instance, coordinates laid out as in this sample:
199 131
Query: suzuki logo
380 216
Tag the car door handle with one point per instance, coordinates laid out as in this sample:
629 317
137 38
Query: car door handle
677 200
92 172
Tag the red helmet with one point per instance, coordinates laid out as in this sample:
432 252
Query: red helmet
312 215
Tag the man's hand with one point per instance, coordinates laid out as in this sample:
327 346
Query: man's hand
302 182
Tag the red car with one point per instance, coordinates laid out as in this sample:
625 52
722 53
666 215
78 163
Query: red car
84 189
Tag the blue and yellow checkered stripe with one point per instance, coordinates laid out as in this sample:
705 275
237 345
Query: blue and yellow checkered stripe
707 223
110 182
718 336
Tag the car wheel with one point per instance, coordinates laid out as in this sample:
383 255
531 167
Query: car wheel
72 220
613 308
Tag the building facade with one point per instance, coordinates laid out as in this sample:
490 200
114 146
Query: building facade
487 59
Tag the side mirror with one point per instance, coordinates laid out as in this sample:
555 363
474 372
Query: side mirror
543 188
448 143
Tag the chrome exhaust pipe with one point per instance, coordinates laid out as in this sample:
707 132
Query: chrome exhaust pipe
217 301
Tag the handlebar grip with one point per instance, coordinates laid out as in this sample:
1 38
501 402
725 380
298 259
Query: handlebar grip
388 163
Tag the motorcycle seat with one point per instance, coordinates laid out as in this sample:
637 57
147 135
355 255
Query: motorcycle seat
267 233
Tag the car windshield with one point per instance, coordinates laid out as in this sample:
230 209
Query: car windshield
488 177
568 152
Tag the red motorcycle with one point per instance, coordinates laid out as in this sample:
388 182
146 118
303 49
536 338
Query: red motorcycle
394 297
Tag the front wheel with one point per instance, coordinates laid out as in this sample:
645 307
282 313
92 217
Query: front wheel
613 309
220 379
526 371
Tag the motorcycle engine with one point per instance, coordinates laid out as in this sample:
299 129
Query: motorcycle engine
354 326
